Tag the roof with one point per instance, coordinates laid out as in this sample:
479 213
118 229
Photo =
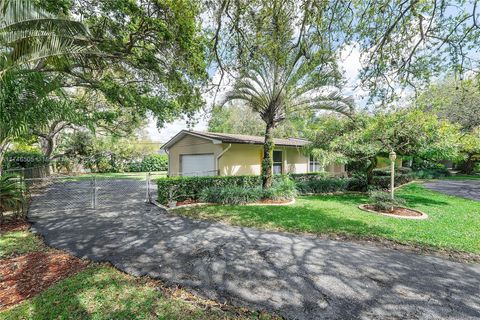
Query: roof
216 138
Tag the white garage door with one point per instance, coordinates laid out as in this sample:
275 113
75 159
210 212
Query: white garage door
197 165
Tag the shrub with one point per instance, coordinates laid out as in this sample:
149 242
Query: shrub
184 188
297 177
386 171
358 182
152 162
24 159
432 173
11 195
231 195
284 189
382 201
383 182
323 185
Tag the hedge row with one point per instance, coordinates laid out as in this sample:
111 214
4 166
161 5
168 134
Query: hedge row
184 188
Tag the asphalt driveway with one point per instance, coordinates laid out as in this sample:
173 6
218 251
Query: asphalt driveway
299 277
469 189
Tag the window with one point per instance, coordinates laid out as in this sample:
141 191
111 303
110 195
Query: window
277 162
314 165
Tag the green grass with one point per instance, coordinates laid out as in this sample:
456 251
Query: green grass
453 223
102 292
17 243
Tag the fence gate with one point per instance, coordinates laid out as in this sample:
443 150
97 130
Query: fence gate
89 191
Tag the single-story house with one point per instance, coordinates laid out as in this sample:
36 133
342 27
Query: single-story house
196 153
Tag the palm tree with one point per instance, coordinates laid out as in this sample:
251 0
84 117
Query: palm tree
30 35
276 87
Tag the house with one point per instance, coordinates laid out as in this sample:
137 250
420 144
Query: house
196 153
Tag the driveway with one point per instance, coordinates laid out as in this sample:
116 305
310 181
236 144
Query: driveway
469 189
299 277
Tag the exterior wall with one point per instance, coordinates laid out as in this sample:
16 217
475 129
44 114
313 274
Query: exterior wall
189 145
297 162
241 159
244 159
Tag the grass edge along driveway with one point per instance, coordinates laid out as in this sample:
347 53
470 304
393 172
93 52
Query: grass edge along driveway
453 223
102 292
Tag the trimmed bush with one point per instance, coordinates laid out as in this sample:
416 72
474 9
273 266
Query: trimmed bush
184 188
383 182
297 177
382 201
323 185
282 190
231 195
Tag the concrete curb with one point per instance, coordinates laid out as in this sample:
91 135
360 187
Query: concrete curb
422 217
154 202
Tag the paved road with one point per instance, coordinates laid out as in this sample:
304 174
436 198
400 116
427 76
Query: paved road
299 277
469 189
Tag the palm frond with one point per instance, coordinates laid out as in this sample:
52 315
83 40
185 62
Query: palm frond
29 34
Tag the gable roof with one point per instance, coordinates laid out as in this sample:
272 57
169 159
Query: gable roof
217 138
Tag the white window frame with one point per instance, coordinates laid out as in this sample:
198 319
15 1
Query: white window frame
314 165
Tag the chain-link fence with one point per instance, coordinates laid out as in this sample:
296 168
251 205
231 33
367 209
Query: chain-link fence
30 173
90 191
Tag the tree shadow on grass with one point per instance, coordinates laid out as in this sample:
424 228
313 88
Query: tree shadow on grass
418 200
297 276
299 218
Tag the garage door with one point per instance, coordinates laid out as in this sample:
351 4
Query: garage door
197 165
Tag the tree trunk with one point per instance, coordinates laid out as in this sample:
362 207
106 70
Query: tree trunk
267 162
48 146
468 165
371 166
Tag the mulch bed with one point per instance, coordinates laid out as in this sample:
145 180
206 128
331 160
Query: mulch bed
270 201
262 201
15 225
25 276
397 211
185 202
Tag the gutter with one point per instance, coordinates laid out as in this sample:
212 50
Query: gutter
168 155
217 163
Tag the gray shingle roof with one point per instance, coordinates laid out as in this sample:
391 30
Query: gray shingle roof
246 139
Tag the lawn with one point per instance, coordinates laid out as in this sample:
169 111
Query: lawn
19 242
101 292
453 223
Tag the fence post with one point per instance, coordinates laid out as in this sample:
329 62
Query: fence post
93 185
147 198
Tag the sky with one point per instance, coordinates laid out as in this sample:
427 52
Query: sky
349 61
